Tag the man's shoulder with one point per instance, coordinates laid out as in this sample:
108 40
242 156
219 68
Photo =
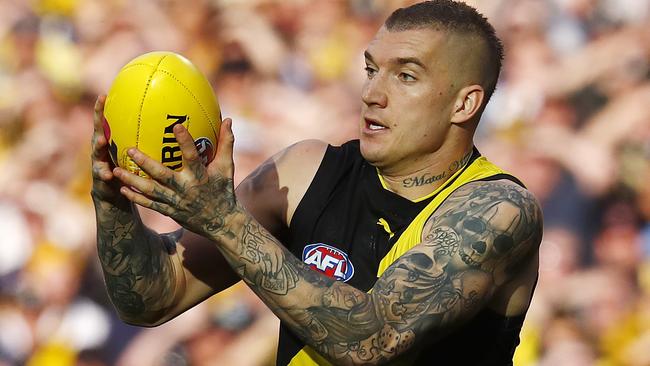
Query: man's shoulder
305 157
300 158
506 187
308 148
310 161
483 196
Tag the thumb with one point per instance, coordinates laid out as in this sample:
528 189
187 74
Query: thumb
223 160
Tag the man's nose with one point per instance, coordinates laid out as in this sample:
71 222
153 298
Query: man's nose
374 92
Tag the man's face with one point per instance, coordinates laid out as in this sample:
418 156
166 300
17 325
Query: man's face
407 98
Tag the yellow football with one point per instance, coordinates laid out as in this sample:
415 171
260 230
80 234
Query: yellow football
151 94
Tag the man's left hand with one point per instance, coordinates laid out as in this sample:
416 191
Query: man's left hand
198 197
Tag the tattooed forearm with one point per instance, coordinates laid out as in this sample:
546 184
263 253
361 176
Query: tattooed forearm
274 275
257 257
137 269
323 310
343 323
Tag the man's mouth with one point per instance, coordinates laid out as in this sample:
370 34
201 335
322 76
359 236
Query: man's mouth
374 125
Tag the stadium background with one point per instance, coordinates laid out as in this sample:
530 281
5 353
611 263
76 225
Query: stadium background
570 117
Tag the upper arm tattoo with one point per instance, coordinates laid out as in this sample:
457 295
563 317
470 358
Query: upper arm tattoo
499 224
477 240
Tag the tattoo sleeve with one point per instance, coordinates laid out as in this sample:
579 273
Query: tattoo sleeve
136 263
476 241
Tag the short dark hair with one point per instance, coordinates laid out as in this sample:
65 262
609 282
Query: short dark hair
456 17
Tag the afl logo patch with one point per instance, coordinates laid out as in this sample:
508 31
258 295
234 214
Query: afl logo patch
205 148
328 260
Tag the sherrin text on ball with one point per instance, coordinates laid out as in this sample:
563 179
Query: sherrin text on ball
149 96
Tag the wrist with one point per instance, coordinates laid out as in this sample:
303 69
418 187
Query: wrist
230 227
103 200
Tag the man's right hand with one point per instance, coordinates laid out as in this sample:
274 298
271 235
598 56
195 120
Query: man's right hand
105 187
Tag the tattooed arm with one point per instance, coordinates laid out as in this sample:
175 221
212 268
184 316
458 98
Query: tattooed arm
150 278
137 263
482 238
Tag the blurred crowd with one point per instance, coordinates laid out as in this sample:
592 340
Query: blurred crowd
570 117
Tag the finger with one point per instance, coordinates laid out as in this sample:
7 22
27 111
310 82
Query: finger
191 157
155 169
142 200
148 187
101 163
99 153
100 133
98 114
102 171
223 160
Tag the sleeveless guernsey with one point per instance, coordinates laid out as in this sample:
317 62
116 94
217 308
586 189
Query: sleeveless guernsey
350 227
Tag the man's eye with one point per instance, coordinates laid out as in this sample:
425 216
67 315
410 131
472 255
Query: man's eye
370 71
406 77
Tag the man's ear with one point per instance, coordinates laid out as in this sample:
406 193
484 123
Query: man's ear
468 103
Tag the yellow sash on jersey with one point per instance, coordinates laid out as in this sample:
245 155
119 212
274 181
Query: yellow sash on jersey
479 169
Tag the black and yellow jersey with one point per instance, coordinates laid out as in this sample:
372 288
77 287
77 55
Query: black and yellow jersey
349 226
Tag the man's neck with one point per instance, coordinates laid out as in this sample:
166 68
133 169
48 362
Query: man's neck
420 182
